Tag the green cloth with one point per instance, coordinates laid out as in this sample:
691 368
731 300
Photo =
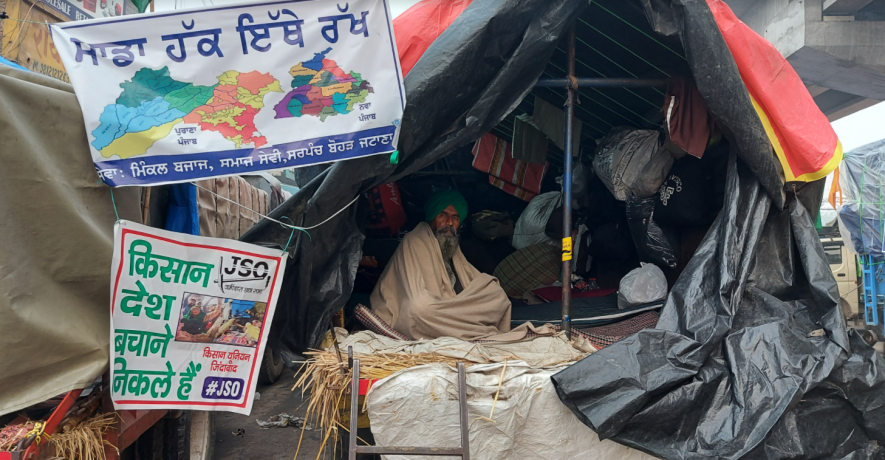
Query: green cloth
441 200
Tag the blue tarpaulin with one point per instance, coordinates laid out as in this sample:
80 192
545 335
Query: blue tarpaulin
182 214
11 64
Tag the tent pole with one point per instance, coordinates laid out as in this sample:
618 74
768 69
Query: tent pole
602 83
567 189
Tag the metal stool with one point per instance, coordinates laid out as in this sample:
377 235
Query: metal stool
463 451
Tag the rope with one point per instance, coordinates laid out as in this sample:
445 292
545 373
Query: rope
613 100
593 114
304 229
12 44
624 47
113 202
653 104
291 235
38 433
23 20
639 30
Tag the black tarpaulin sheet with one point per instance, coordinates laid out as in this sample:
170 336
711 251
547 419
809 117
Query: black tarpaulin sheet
751 357
470 78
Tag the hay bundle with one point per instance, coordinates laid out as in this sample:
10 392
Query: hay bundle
86 440
329 382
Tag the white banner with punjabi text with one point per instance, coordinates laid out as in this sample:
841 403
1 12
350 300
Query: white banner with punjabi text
218 91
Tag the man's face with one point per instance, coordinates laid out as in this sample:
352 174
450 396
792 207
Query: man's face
447 218
445 227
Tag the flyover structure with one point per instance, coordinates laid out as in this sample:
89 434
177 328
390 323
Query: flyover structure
836 46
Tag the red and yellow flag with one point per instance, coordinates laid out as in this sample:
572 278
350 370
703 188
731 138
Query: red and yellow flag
800 133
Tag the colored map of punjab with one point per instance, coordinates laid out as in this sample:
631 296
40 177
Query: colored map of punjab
152 103
322 89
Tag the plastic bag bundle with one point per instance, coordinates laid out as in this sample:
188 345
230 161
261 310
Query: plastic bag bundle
655 243
492 225
632 161
532 222
642 285
862 212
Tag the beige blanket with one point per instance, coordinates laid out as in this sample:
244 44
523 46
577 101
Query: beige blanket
416 297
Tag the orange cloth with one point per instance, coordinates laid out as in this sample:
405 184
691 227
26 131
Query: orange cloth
835 188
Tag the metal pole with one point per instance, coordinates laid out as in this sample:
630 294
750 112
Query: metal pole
462 409
354 410
602 83
567 245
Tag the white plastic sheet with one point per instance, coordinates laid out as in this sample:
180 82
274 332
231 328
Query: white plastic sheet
419 407
539 351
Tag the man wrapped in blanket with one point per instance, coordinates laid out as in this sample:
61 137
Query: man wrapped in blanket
429 290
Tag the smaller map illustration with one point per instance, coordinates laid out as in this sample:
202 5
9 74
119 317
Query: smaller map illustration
322 89
152 103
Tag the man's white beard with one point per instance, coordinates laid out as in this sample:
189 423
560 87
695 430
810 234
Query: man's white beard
448 241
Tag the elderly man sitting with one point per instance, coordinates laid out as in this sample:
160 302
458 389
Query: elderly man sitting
429 290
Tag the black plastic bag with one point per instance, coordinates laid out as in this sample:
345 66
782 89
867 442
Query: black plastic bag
693 191
654 243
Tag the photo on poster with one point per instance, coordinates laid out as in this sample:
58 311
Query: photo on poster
210 319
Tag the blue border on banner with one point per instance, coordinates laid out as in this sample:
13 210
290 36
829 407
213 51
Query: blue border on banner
166 169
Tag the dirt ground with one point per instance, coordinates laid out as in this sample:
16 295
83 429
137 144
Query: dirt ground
266 444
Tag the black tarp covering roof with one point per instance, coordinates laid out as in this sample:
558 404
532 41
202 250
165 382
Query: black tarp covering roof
751 357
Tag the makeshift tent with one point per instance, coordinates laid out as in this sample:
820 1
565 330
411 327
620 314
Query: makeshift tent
751 352
56 238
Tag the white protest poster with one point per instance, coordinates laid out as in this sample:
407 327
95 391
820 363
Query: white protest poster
193 94
189 320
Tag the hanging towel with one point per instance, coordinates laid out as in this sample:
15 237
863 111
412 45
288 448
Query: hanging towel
687 120
518 178
529 143
551 121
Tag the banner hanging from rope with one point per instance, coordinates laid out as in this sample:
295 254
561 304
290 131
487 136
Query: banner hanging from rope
211 92
189 319
801 135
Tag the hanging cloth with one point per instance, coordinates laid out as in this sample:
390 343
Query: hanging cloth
835 191
529 143
551 121
518 178
688 122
